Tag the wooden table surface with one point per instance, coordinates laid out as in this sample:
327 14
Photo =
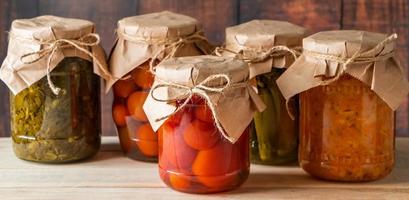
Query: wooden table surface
110 175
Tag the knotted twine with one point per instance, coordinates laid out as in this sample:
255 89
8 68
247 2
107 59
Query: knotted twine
257 55
51 46
172 45
201 89
356 58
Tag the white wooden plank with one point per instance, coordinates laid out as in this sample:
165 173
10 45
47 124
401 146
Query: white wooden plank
167 194
111 174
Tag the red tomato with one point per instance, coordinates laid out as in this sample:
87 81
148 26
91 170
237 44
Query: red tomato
123 88
175 153
135 105
124 139
204 114
119 112
145 132
212 166
147 140
200 135
142 77
179 182
148 148
214 161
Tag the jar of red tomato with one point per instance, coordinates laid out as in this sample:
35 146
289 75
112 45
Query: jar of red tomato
144 41
349 84
203 145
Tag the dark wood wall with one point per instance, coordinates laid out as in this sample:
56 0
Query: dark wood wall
386 16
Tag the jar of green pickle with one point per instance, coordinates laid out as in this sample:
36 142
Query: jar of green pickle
269 47
55 94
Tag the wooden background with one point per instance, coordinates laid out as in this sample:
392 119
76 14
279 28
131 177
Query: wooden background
386 16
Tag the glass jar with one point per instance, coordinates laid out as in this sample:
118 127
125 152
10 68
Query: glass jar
195 158
346 132
58 128
137 138
274 135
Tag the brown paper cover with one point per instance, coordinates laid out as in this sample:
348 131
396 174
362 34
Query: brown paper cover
141 37
234 106
369 57
24 37
257 36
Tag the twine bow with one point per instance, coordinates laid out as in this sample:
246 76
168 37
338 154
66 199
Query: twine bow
260 55
201 90
52 46
356 58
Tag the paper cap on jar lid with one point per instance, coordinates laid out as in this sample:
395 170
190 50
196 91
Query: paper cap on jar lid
51 27
264 34
37 45
265 43
152 38
345 43
159 25
221 81
367 56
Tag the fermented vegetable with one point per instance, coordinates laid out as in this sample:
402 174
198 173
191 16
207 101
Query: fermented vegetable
58 128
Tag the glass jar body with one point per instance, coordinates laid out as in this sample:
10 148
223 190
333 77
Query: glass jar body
58 128
137 138
347 132
195 158
274 135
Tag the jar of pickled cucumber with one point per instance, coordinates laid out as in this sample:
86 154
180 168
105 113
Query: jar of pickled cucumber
55 99
203 145
348 96
143 41
269 47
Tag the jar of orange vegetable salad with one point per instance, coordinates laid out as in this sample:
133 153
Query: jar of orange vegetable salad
202 107
269 47
143 41
350 85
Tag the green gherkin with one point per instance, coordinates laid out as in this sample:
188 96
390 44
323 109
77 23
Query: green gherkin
274 138
265 130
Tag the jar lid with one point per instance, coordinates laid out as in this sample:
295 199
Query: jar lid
265 44
366 56
61 28
345 43
263 34
222 82
152 38
37 45
159 25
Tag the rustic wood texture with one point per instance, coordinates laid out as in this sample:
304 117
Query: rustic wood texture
376 15
316 15
110 175
215 15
